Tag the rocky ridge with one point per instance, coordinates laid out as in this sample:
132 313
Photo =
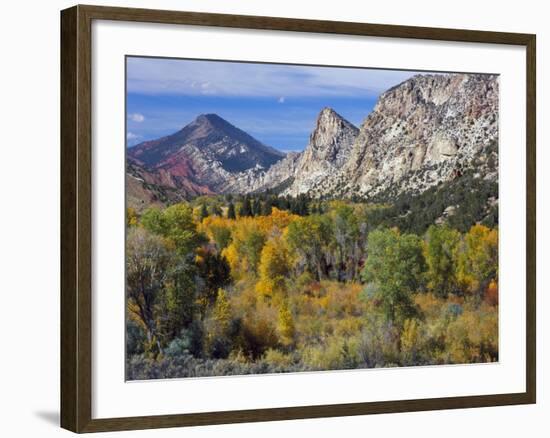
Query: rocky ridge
427 130
329 148
327 151
422 132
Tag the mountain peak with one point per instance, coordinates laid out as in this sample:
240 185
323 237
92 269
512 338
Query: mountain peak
329 120
329 126
212 121
210 117
208 141
328 149
328 110
329 113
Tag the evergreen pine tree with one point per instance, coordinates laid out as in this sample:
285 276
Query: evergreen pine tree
256 207
303 206
246 208
204 212
266 208
231 211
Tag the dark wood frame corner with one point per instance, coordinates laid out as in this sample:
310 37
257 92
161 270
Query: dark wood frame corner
76 239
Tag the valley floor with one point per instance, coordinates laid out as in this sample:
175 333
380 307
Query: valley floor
244 289
337 329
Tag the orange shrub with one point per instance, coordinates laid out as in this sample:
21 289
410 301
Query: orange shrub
491 293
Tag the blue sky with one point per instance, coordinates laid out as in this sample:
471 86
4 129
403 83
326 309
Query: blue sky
275 103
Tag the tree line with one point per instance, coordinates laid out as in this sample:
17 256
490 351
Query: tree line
231 285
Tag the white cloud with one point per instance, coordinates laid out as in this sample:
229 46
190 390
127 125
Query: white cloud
281 99
193 78
131 136
136 117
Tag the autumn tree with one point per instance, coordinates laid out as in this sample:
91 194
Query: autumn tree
478 260
278 220
395 266
175 223
310 238
214 273
222 310
221 235
252 248
153 220
346 238
219 342
176 308
175 303
243 254
274 268
441 253
411 341
285 326
148 263
259 330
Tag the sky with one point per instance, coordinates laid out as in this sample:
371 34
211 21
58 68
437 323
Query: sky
275 103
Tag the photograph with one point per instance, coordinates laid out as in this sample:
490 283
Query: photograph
285 218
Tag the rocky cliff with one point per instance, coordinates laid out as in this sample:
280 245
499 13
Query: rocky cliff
329 149
427 130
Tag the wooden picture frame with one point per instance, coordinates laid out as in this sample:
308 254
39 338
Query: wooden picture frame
76 218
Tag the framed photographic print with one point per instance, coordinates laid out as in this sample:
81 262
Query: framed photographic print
268 219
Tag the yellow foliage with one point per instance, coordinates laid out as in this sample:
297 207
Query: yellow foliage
277 358
211 221
222 310
343 299
133 313
335 354
217 228
243 252
410 336
324 302
237 262
279 219
478 261
472 337
260 328
430 305
275 259
347 327
131 217
291 317
274 267
235 238
285 325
